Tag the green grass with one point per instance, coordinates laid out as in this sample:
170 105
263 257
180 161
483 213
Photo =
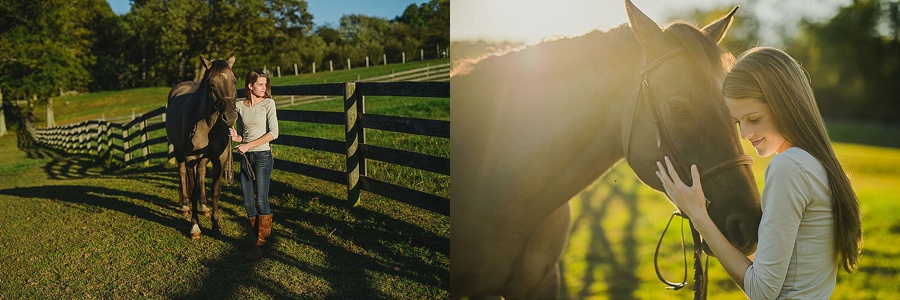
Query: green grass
84 231
77 108
617 221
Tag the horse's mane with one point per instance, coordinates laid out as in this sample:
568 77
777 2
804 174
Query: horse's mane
618 42
707 55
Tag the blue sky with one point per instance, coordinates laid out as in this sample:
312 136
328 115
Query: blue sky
326 11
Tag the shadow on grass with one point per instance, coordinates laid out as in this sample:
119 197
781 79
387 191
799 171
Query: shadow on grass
356 242
361 245
621 279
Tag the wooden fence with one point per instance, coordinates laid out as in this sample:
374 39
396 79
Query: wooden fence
118 141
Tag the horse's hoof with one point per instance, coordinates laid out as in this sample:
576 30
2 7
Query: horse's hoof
206 213
186 213
205 210
195 232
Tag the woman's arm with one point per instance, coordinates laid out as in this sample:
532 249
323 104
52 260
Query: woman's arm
691 201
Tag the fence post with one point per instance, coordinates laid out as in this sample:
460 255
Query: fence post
330 66
384 56
279 71
351 127
50 121
348 64
144 138
295 70
314 67
422 54
2 117
360 113
404 57
126 145
109 140
367 61
99 138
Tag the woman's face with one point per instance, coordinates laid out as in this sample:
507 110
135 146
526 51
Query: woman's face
757 125
258 88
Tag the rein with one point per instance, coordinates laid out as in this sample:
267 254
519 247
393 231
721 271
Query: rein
666 145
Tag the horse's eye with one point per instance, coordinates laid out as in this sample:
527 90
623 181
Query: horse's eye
677 108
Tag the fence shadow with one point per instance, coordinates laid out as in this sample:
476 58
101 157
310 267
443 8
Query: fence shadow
357 243
617 261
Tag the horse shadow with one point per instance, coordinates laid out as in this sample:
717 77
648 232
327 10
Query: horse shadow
618 259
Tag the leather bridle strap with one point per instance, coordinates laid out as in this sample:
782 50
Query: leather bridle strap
742 159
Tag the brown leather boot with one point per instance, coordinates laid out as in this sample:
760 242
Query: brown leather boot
265 229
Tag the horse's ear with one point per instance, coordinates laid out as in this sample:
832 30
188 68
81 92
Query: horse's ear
206 63
647 32
231 61
715 31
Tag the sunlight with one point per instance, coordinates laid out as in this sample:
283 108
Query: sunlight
512 20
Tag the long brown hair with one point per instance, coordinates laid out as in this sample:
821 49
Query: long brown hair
252 76
775 78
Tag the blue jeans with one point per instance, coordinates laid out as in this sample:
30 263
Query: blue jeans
256 192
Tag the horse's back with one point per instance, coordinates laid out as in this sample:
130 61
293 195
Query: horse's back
183 88
178 101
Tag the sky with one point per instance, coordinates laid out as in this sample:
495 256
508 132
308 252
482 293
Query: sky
531 21
326 11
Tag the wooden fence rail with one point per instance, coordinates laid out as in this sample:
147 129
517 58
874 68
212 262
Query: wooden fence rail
130 143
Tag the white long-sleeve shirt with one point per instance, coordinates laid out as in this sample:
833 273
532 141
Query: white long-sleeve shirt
795 257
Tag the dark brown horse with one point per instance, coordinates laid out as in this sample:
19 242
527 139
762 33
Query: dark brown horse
198 116
534 127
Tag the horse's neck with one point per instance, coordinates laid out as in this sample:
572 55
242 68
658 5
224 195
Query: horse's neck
204 109
553 124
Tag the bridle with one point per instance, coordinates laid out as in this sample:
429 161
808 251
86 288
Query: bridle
667 147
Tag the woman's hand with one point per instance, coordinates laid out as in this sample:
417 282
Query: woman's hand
689 199
243 148
233 135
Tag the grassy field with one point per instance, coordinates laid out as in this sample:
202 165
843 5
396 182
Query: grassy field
79 229
77 108
617 221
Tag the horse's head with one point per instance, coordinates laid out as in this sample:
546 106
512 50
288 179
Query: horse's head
680 112
222 91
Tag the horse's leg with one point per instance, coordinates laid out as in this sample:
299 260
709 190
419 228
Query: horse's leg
201 179
195 197
184 191
536 273
216 190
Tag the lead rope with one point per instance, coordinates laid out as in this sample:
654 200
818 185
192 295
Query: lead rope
700 278
699 274
229 167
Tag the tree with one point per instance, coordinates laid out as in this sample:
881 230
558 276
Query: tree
854 68
46 45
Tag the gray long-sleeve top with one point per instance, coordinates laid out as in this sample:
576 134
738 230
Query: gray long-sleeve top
255 121
796 256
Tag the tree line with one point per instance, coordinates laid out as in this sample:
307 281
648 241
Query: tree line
852 59
51 46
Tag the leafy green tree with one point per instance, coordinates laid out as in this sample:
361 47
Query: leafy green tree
45 46
854 66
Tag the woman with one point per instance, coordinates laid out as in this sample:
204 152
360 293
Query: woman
810 215
258 126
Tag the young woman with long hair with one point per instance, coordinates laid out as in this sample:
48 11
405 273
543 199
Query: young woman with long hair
257 125
810 224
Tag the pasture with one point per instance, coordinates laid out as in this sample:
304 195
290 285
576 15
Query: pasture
617 220
84 229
